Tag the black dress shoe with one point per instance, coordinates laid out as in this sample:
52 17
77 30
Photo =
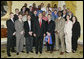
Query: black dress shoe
18 53
22 51
40 52
31 51
36 52
9 55
27 52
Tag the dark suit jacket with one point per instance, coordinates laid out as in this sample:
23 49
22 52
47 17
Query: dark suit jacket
27 9
15 17
11 39
76 29
51 27
37 30
10 28
34 18
26 28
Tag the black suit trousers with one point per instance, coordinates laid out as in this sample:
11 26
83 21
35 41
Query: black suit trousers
38 44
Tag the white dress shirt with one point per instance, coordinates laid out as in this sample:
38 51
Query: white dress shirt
29 22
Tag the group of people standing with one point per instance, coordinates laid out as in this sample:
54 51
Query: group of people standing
31 25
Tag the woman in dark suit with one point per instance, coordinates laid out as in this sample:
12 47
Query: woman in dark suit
75 33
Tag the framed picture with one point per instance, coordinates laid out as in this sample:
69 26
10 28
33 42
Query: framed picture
5 9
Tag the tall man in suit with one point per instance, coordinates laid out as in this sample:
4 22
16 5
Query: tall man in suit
19 24
10 34
59 29
34 18
39 31
50 31
28 34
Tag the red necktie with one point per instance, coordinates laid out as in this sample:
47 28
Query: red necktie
40 23
48 40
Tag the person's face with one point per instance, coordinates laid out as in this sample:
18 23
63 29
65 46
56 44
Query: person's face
52 9
59 14
23 8
59 8
68 18
49 17
64 12
70 13
73 19
30 8
64 6
49 12
26 12
12 16
68 10
55 12
40 15
48 4
29 18
20 16
47 8
35 12
42 4
16 11
25 4
43 13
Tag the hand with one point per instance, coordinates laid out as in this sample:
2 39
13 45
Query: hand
30 33
44 35
48 33
56 32
22 32
34 35
14 33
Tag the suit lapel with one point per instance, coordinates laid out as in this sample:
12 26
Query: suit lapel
12 22
27 24
38 23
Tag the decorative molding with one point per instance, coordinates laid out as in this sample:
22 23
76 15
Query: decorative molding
5 17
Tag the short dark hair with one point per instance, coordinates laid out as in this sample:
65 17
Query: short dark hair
75 18
43 11
16 9
11 13
50 10
68 15
59 12
19 13
28 15
49 14
55 10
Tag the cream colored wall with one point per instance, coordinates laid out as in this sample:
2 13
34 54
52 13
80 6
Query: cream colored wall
19 4
79 14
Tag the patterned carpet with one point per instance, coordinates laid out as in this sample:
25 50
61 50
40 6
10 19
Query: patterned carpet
55 54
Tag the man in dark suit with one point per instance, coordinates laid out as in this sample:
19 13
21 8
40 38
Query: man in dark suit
34 18
16 14
39 31
10 34
28 34
50 31
27 9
